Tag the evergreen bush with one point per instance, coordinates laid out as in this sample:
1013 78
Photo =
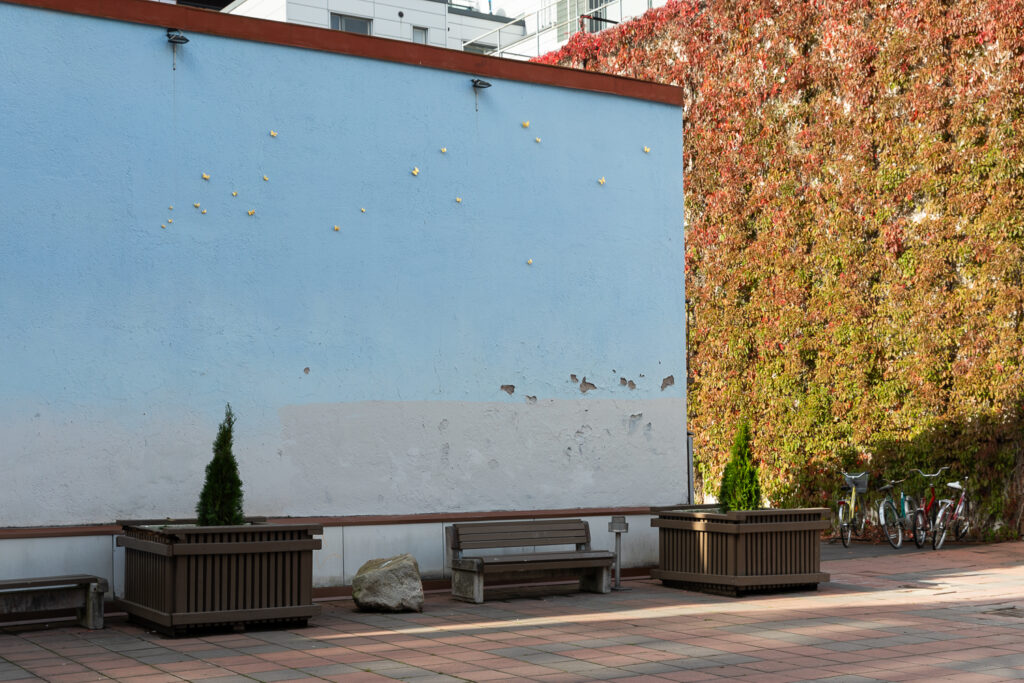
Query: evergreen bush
740 489
220 502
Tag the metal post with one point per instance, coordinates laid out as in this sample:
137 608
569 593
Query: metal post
618 561
619 526
689 467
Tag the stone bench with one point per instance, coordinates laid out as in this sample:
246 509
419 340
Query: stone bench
81 592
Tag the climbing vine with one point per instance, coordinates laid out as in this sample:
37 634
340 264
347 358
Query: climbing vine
854 192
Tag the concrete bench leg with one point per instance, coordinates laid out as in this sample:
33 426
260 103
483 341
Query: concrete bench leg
467 585
91 616
597 581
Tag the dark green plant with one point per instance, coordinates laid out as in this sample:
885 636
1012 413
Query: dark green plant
220 502
740 489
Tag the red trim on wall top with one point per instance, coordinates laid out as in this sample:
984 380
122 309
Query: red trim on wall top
345 520
190 19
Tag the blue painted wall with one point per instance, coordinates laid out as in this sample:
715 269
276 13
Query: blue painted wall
107 316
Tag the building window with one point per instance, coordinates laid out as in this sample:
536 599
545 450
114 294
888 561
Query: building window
419 35
345 22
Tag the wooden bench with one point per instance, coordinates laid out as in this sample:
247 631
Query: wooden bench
80 592
591 567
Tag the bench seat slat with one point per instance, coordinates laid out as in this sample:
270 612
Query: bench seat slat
526 531
50 581
544 557
476 544
554 566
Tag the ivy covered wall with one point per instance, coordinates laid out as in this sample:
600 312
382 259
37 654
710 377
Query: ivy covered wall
855 233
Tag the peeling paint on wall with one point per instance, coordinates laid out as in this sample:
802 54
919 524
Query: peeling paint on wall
667 382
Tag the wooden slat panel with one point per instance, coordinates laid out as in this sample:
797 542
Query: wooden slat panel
546 566
519 534
743 581
727 528
544 557
229 616
53 581
230 548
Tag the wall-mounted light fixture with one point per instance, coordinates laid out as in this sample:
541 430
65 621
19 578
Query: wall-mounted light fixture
478 85
175 38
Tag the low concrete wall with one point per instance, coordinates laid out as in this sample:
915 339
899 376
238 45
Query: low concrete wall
345 549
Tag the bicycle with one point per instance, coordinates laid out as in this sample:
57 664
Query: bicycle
850 517
895 518
949 516
924 515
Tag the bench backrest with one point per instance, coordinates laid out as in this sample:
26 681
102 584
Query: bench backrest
480 535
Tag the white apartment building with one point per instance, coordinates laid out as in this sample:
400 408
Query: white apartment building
551 25
430 22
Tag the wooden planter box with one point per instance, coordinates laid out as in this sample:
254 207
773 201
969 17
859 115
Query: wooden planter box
742 551
179 578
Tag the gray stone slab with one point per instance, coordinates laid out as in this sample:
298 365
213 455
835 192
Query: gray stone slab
893 641
128 646
609 674
651 668
513 652
216 653
406 672
986 663
595 643
330 670
576 666
165 658
1005 674
544 658
844 646
259 649
684 649
634 640
279 675
731 658
554 647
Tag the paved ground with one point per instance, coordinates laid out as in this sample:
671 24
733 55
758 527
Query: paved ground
956 615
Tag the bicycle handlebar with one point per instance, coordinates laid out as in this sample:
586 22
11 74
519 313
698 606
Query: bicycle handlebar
941 470
854 476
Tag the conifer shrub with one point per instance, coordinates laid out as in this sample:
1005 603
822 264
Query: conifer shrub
220 502
740 489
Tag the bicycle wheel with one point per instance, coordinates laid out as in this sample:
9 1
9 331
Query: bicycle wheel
941 527
843 515
962 525
920 527
890 521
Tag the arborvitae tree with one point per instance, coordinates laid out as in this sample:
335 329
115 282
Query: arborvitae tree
220 502
741 489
